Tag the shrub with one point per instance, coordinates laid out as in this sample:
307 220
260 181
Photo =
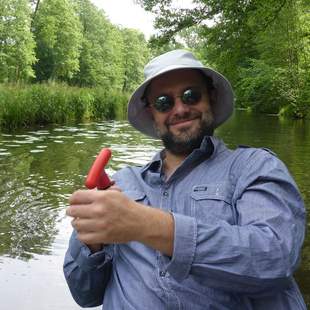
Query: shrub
25 105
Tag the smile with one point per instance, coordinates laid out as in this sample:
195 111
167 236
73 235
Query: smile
184 122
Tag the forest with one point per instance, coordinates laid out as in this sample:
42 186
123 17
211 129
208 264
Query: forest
64 60
262 46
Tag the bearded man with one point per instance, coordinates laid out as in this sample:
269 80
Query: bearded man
200 226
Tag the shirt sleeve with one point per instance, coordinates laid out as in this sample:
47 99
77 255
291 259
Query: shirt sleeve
87 274
258 254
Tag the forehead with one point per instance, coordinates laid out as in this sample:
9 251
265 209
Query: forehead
175 80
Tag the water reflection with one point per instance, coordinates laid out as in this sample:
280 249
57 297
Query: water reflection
41 167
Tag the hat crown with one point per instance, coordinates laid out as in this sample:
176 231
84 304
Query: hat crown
175 58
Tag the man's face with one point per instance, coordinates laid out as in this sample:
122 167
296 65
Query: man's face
183 127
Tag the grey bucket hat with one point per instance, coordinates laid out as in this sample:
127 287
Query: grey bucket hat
140 117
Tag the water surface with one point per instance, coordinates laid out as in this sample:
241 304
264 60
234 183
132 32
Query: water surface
41 167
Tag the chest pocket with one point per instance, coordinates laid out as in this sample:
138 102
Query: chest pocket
212 202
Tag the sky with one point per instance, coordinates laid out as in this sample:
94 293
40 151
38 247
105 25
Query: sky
130 15
127 14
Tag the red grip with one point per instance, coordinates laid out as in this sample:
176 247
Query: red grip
96 176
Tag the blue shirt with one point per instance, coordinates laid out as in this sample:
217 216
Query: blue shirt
239 227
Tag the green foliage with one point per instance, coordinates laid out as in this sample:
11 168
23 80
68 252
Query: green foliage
135 55
158 49
262 46
108 104
263 88
65 42
58 35
16 41
111 57
42 104
100 56
78 44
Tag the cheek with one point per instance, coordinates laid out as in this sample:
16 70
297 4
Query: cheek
160 125
209 110
205 108
159 118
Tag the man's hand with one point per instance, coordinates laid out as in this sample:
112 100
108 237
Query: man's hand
109 216
103 216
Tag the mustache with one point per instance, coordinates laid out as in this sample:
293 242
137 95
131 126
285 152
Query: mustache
174 119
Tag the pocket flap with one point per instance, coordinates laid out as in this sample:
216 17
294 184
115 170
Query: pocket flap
214 191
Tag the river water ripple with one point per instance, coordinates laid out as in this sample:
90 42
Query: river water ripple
41 167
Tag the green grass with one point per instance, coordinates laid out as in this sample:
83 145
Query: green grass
40 104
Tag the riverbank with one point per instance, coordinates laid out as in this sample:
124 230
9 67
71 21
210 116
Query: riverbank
55 103
28 105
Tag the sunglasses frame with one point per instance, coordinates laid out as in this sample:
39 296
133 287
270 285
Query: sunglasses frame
192 99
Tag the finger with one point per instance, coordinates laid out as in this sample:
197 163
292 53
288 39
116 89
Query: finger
90 238
82 197
81 211
84 225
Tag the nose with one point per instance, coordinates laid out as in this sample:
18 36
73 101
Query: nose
179 106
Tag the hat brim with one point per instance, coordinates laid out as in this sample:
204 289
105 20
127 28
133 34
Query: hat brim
141 118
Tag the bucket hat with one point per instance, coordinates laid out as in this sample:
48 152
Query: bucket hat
141 118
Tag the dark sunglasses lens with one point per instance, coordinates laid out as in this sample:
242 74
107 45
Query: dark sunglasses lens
163 103
191 96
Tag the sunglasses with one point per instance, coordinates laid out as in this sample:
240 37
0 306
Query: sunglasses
165 103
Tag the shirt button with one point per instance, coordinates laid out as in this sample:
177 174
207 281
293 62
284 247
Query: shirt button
165 194
162 273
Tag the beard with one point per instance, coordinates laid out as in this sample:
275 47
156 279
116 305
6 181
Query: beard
188 139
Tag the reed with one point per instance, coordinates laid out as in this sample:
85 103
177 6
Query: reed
40 104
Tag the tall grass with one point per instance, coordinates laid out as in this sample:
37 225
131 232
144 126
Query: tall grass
39 104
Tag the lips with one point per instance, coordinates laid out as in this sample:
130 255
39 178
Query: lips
182 121
183 124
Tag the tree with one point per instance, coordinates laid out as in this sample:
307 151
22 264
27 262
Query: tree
101 46
246 41
281 64
35 6
58 35
135 55
111 57
16 41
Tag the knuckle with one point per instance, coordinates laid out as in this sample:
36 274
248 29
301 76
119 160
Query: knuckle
70 211
75 224
104 195
103 226
98 211
75 196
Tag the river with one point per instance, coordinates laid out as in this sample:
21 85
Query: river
40 167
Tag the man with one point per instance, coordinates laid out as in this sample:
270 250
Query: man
200 226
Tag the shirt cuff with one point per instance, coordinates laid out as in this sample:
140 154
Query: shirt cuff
87 260
185 240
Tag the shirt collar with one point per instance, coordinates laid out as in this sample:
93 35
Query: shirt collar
208 147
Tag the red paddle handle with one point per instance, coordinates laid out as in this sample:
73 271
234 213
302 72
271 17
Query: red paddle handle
96 176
